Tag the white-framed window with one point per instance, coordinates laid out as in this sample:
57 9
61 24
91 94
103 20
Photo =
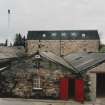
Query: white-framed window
37 82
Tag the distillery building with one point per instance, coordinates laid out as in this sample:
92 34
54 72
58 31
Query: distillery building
63 42
58 64
80 50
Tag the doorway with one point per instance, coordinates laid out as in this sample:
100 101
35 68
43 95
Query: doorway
71 88
100 87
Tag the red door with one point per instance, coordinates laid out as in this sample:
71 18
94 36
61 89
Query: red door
64 95
79 90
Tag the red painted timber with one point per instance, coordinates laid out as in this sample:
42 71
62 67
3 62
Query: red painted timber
79 90
64 89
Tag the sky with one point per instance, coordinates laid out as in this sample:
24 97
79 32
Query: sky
51 15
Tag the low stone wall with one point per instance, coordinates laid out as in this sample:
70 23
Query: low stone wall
8 52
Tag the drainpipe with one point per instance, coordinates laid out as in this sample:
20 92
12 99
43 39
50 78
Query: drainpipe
60 46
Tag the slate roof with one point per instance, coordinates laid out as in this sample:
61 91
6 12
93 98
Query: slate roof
3 68
98 69
77 62
63 35
8 54
54 58
85 61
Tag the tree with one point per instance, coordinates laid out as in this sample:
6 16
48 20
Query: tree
24 41
10 44
6 42
102 48
18 40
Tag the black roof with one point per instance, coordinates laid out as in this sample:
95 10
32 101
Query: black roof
63 35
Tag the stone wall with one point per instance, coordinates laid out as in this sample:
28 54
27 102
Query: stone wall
9 52
92 86
66 46
99 69
49 82
93 79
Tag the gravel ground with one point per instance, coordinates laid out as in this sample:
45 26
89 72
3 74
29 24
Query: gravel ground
11 101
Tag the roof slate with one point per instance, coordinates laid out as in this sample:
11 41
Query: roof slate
54 58
77 62
63 35
85 61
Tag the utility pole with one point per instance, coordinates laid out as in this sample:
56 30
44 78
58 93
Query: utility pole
9 13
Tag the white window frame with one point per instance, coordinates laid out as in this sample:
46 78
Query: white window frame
37 83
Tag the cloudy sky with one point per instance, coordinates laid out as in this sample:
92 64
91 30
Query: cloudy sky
51 14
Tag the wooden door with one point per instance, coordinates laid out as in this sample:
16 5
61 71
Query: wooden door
79 90
71 88
64 94
100 85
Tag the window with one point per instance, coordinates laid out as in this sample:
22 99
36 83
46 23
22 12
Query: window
63 34
44 35
37 82
74 34
83 35
54 34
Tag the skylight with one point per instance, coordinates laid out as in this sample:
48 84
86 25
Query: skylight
44 35
54 34
74 34
83 35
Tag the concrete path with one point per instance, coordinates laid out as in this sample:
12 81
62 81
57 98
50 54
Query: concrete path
15 101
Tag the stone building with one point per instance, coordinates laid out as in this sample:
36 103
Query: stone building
63 42
59 64
74 45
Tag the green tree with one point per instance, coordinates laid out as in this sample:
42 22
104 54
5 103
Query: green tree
18 40
102 48
24 41
6 42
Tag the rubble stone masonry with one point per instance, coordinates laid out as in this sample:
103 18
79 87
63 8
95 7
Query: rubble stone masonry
63 47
